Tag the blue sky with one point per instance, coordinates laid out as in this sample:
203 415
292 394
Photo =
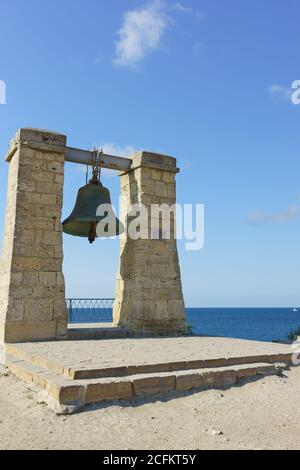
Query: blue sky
205 81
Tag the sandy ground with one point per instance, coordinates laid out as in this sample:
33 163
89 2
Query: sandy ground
264 414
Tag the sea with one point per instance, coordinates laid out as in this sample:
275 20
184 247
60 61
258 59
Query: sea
260 324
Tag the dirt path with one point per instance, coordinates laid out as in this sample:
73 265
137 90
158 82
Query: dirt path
259 415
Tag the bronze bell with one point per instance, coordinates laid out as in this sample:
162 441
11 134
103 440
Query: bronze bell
84 221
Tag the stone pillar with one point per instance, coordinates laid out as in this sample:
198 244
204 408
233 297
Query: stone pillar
148 295
32 289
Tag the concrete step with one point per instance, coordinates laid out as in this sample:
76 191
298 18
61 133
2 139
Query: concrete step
65 395
146 368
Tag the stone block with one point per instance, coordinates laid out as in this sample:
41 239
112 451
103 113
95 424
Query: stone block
38 223
153 160
41 251
68 394
53 292
52 238
141 309
25 173
168 177
225 378
49 199
38 311
56 167
42 176
15 311
15 332
39 165
60 308
60 280
30 211
161 310
153 385
33 198
279 358
147 186
26 186
20 292
245 372
51 211
171 190
16 279
161 189
188 381
176 307
38 292
114 390
156 175
48 188
25 236
58 252
208 378
48 278
41 136
61 327
59 178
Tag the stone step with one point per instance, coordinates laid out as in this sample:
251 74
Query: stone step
96 333
146 368
65 395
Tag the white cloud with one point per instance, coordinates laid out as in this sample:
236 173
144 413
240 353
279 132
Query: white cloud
116 150
190 11
111 149
279 90
274 218
119 151
140 33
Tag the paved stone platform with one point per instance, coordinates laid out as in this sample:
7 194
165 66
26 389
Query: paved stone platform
73 373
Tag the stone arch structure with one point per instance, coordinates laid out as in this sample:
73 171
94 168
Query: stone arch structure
32 289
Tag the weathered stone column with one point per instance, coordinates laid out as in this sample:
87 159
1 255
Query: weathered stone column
32 290
148 286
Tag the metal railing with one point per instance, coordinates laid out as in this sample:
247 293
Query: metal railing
89 310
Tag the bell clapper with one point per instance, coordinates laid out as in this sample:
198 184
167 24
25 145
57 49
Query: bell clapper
92 232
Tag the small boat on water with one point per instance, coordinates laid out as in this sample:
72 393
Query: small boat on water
295 310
